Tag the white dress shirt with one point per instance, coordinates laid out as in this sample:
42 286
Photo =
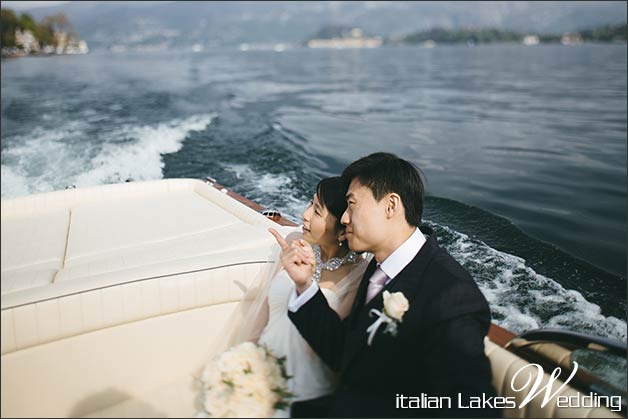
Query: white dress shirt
391 266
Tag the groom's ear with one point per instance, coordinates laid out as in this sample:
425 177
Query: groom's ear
394 205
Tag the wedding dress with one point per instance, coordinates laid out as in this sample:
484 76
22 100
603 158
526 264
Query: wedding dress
311 377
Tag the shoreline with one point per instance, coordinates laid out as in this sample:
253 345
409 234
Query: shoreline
393 45
37 54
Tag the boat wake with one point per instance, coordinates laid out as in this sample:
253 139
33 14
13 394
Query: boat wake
48 160
522 299
272 191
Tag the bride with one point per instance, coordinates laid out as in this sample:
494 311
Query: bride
338 273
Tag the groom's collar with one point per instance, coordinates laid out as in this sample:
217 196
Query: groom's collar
403 255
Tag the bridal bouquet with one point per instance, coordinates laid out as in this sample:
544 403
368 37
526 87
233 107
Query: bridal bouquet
245 381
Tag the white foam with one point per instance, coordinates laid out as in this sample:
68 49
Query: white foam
241 171
521 299
45 160
141 158
273 191
48 160
268 183
273 183
13 184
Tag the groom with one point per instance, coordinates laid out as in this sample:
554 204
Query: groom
438 349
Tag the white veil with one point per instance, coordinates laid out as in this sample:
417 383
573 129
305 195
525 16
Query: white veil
251 314
248 318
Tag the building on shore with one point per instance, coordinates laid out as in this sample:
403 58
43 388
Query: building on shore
531 40
26 40
27 44
355 39
571 39
61 41
76 46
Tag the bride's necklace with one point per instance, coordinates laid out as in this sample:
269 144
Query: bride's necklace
332 263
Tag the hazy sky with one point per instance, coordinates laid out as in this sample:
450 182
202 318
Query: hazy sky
22 5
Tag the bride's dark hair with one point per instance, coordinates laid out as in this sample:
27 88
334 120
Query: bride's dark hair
331 193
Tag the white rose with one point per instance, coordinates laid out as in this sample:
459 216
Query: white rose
395 304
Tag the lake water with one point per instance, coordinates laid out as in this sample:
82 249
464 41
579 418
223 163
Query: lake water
524 148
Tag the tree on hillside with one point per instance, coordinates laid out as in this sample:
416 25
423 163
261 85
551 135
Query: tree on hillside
8 24
45 34
606 33
58 23
50 31
27 22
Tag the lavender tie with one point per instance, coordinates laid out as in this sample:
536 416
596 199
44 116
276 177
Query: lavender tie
377 281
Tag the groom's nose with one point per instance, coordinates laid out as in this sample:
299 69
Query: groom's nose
345 219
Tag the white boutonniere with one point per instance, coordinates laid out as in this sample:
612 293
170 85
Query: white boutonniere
395 306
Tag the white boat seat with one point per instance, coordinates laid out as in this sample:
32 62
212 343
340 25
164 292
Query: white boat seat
207 246
53 316
16 280
80 375
136 223
181 397
70 235
505 364
34 241
177 399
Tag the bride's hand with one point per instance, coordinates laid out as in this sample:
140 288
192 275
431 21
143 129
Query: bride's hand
297 259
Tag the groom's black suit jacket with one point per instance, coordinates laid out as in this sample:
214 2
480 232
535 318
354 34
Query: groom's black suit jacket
438 349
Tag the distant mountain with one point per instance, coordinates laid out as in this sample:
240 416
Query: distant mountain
223 23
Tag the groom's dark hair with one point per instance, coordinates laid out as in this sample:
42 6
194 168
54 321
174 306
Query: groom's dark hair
385 173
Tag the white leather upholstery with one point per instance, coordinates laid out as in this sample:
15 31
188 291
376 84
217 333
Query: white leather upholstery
241 238
178 399
505 364
109 293
32 243
70 258
84 374
134 223
24 279
106 194
73 314
79 233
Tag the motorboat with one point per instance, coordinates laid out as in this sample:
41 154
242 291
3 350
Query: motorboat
112 296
